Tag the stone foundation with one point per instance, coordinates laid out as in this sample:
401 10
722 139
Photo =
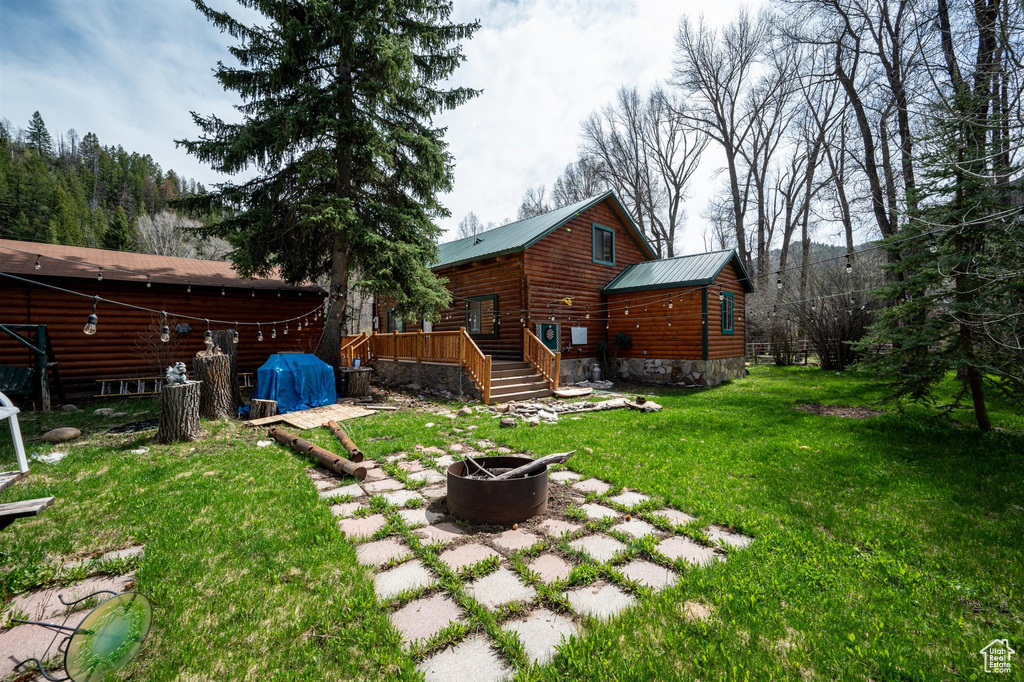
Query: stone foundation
575 369
426 376
681 372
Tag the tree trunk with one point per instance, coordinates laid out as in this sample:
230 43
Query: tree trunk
225 340
357 383
214 371
179 413
262 408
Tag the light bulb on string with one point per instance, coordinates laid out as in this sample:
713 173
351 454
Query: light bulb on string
37 263
286 329
279 293
165 331
778 281
273 332
670 303
188 289
92 320
222 291
259 332
812 305
552 317
932 246
298 327
626 311
149 282
208 336
588 312
721 294
252 292
99 274
851 299
234 334
849 265
670 321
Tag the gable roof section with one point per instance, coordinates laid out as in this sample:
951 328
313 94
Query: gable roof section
523 234
18 258
682 271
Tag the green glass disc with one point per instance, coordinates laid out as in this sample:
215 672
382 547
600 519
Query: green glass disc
109 637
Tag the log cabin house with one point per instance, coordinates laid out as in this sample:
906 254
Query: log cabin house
536 301
125 344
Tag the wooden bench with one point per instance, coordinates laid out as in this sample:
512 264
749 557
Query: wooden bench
16 380
12 511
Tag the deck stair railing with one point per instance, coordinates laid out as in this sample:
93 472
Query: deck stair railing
545 361
454 347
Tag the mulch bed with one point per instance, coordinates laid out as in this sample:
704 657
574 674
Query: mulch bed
839 411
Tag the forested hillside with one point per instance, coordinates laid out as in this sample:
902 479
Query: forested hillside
65 189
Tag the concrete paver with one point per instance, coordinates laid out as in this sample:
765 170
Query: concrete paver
381 552
636 528
600 601
363 527
423 618
592 485
650 575
498 588
550 567
409 576
556 527
443 533
541 633
597 512
474 660
514 540
466 556
600 548
686 549
630 499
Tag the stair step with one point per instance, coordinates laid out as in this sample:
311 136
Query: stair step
523 395
505 373
497 365
517 379
519 388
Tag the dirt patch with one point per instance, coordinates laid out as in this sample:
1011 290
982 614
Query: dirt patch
839 411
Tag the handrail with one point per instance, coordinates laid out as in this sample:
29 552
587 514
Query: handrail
476 363
546 361
356 347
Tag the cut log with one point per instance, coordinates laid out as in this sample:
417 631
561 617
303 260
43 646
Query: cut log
357 381
214 371
226 340
335 463
536 465
354 453
179 413
258 409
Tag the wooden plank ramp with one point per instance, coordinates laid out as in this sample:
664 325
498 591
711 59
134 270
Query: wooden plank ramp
314 417
13 511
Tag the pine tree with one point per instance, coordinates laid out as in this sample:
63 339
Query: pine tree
338 104
39 136
120 233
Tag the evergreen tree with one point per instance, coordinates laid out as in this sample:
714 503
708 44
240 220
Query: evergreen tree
39 136
120 233
338 102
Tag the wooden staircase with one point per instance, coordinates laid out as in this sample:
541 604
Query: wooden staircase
512 380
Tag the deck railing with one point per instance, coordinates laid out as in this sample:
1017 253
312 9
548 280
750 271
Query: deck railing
353 347
456 348
545 360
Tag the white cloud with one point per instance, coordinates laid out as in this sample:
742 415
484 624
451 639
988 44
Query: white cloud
132 71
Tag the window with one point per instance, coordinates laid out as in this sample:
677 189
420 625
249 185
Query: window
395 322
482 316
427 325
604 245
728 313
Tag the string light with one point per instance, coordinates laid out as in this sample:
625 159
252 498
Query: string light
234 335
638 324
627 308
670 303
849 264
165 331
222 291
721 294
298 327
149 282
778 281
279 293
812 305
208 336
932 246
92 320
99 274
37 263
588 312
259 332
188 289
252 292
670 321
273 332
286 329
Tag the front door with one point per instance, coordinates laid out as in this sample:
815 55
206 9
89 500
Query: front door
550 335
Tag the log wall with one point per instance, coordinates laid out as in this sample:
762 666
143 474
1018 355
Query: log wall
725 345
562 266
119 347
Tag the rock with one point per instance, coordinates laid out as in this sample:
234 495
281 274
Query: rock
69 408
103 412
61 434
119 414
508 423
465 412
430 425
551 417
533 421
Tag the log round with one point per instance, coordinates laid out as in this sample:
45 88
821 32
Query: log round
179 413
214 371
503 501
262 408
224 340
357 381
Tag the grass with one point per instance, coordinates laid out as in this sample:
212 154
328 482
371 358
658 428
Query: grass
886 548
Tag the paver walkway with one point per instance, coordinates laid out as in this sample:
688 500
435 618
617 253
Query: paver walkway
519 576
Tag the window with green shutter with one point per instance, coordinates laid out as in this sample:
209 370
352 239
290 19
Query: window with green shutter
604 245
728 313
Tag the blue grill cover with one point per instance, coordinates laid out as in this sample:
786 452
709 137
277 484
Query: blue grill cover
297 381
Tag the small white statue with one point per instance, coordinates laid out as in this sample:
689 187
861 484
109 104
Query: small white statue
176 374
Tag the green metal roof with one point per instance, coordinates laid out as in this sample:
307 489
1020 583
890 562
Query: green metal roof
682 271
522 234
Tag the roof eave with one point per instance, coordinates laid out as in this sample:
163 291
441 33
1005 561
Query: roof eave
653 287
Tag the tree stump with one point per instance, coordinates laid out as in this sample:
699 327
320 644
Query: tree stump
214 371
262 408
225 340
179 413
357 381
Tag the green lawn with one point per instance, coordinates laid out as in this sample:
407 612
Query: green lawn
887 548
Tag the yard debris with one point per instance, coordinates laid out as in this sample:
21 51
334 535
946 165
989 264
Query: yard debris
139 451
335 463
533 413
51 458
602 385
264 443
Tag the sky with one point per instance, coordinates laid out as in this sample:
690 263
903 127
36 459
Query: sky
132 70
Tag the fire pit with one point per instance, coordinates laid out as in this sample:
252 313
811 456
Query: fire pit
485 500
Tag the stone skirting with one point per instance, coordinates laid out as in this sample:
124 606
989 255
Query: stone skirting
575 369
431 377
682 372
